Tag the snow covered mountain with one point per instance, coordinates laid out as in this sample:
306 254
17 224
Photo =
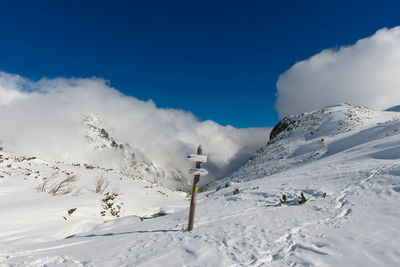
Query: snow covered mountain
85 120
343 159
308 137
131 160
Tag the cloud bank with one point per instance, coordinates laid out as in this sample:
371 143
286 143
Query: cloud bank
366 73
44 118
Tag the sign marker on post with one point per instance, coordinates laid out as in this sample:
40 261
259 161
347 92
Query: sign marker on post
198 171
194 157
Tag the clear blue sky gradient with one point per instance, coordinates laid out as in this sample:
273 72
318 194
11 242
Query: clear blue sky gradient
217 59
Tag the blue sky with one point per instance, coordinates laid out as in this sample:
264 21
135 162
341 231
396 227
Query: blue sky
217 59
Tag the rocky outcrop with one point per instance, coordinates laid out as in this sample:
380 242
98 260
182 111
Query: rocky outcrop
286 124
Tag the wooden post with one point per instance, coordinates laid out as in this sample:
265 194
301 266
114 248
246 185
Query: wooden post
195 190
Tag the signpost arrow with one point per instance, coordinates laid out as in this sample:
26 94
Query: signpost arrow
194 157
200 171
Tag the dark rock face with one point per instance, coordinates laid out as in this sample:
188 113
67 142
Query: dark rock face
286 124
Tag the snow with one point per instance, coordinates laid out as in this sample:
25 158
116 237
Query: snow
31 212
345 159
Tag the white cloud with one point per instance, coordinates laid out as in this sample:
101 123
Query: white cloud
44 118
366 73
9 84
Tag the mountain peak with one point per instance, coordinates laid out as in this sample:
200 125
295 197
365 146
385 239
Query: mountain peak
131 160
96 134
330 120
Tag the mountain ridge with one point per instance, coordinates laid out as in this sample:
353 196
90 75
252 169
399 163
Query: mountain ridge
302 138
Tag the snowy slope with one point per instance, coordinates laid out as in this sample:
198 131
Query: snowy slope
37 195
308 137
346 161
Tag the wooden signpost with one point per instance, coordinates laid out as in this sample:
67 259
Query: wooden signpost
198 171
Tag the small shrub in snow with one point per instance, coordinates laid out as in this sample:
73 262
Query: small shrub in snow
236 191
101 185
43 186
70 211
61 187
88 166
109 205
162 193
56 188
282 200
302 199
